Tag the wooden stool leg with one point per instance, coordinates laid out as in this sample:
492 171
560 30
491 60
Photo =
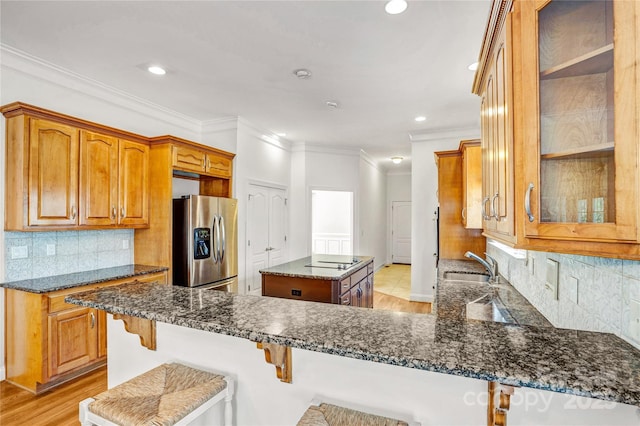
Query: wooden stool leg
84 411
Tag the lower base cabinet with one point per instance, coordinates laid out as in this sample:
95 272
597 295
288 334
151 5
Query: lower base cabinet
49 342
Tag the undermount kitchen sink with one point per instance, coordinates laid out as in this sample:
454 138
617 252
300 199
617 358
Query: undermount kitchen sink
489 308
461 276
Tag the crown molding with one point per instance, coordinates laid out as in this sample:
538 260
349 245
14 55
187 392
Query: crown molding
23 62
218 125
326 149
440 134
266 136
369 160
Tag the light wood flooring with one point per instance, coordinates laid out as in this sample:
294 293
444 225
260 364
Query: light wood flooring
18 407
56 407
392 287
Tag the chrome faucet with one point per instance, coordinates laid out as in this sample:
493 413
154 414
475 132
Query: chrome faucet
491 266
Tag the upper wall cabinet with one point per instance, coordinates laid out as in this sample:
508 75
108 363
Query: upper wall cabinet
65 173
493 83
580 121
201 162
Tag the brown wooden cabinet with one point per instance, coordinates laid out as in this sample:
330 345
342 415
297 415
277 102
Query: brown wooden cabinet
200 161
73 340
65 173
52 177
494 85
453 238
50 341
580 76
471 184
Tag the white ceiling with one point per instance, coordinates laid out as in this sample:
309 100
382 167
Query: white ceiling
236 58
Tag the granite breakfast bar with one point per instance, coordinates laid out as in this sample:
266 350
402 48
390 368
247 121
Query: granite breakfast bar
432 368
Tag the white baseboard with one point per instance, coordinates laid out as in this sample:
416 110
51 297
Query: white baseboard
413 297
3 373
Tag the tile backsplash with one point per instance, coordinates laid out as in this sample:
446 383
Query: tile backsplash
64 252
601 300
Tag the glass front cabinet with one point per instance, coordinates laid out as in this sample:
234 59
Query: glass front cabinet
580 121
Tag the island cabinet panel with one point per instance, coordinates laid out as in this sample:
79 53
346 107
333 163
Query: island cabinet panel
64 173
50 341
298 288
353 288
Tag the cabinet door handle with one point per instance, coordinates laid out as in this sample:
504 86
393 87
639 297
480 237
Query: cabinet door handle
122 212
204 165
494 211
464 216
114 212
484 208
93 320
527 202
74 212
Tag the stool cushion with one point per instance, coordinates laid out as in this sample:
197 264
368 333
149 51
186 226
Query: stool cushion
161 396
332 415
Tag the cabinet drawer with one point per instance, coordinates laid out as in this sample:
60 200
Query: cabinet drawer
345 285
358 276
188 159
370 268
345 299
218 166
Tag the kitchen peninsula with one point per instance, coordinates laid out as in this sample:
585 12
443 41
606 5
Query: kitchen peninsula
339 279
432 367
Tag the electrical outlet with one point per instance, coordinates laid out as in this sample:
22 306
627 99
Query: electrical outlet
572 284
634 319
125 244
552 278
19 252
51 249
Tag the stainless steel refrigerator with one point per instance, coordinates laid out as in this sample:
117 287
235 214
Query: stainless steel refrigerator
205 242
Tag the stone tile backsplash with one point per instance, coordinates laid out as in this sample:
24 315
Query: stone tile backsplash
74 251
602 302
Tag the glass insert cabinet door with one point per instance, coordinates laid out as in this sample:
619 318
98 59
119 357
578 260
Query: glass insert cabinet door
580 131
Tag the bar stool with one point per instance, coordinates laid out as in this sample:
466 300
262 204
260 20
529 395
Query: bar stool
323 414
170 394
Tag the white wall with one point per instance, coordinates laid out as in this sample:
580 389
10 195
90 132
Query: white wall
373 215
424 201
260 159
398 189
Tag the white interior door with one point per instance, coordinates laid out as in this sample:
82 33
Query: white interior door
266 232
401 232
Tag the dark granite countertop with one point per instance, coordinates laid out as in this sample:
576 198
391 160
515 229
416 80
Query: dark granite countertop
78 279
319 267
590 364
453 297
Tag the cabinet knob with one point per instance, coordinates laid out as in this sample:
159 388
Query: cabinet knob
74 212
114 212
122 212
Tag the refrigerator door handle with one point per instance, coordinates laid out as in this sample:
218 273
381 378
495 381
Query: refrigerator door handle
223 247
215 239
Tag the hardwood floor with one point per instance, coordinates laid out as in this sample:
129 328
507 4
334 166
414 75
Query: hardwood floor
393 303
58 407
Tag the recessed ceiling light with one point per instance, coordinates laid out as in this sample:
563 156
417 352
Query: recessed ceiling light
393 7
332 104
302 73
420 118
397 160
473 66
154 69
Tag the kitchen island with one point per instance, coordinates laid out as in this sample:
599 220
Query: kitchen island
433 368
338 279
